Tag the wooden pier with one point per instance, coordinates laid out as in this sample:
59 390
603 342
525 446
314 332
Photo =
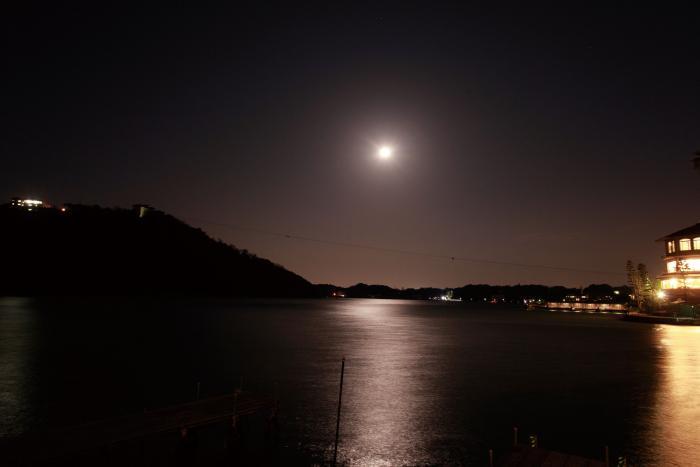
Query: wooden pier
525 456
34 448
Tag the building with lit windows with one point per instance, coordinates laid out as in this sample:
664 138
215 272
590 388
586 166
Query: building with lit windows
681 279
27 204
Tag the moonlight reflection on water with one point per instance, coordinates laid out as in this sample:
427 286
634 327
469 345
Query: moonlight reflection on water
388 409
425 383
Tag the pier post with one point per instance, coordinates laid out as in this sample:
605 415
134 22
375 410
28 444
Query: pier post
490 457
197 398
337 420
233 441
142 451
607 457
515 436
187 447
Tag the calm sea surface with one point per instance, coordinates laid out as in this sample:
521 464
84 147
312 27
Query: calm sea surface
425 383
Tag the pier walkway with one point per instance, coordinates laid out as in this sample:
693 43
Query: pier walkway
33 448
522 456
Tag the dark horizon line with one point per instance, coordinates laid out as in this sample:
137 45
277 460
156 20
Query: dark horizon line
68 205
603 284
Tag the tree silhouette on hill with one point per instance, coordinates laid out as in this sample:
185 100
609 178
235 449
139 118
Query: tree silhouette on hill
95 250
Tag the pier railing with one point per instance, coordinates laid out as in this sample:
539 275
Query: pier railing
33 448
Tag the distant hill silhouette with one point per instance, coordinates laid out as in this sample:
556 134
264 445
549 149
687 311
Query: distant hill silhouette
90 250
93 250
512 294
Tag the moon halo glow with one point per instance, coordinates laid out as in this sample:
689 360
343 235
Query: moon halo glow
385 152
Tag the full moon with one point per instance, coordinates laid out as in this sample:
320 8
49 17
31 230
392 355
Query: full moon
385 152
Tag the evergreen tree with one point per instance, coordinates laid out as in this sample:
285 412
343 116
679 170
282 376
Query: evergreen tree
635 282
646 286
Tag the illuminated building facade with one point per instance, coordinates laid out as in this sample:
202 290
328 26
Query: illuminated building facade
28 204
681 279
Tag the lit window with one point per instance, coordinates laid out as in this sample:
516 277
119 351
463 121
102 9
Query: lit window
669 283
690 264
684 244
671 266
696 243
671 246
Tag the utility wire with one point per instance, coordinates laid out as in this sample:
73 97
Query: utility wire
400 251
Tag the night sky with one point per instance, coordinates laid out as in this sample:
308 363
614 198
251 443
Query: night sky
546 137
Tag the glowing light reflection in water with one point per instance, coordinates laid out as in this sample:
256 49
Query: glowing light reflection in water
388 410
426 383
676 415
16 320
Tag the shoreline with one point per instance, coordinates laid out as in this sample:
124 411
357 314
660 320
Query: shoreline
674 320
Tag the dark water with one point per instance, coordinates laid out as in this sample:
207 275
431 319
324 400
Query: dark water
425 383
